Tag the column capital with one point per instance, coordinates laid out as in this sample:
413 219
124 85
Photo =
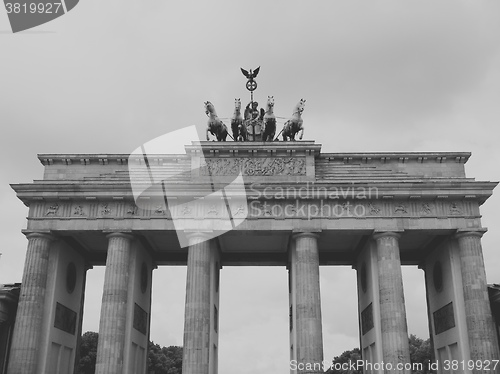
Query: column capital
198 234
44 234
382 234
461 233
119 234
305 234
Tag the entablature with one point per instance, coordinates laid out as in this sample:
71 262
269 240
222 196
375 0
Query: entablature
427 190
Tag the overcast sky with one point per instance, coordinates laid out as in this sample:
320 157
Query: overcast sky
377 76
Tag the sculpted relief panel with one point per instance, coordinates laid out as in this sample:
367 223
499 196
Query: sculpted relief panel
268 166
271 204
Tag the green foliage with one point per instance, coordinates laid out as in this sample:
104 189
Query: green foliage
88 353
344 360
168 360
161 360
164 360
420 352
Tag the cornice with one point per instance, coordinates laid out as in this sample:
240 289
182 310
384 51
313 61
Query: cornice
260 148
410 188
395 182
401 157
48 159
469 189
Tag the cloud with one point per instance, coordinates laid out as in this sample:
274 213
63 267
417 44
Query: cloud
377 76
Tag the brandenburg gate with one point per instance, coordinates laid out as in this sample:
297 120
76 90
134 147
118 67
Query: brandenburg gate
219 204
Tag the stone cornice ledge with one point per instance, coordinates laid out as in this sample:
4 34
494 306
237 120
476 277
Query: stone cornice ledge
403 157
99 159
262 148
479 191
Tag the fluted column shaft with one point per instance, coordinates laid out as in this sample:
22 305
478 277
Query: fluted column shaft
483 342
112 326
28 326
197 312
395 347
308 302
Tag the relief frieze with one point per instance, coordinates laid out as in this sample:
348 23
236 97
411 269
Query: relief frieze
212 210
78 211
52 210
132 210
270 207
186 210
159 210
373 209
426 209
268 166
400 208
241 210
105 209
455 208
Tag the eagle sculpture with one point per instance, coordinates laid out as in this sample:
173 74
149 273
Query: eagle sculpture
250 75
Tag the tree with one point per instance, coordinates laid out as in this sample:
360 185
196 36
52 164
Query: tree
161 360
164 360
88 353
420 352
344 363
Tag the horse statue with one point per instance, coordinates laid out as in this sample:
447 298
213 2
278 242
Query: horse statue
240 132
214 124
269 121
294 124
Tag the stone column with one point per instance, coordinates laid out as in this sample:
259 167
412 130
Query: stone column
483 342
110 349
308 303
28 326
395 348
196 352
